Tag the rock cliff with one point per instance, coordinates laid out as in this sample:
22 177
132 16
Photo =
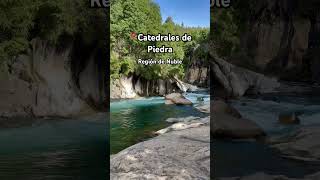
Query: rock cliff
127 87
235 81
281 37
50 81
198 71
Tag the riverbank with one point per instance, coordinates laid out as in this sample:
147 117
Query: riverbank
173 149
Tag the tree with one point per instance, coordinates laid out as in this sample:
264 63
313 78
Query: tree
143 16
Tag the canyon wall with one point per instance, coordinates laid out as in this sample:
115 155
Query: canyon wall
198 70
282 37
127 87
50 81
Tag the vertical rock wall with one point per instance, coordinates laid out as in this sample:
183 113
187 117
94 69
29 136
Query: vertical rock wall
42 83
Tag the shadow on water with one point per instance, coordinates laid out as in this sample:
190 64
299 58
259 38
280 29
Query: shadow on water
54 149
234 159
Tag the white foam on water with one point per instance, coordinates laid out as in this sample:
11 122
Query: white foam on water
194 97
140 102
131 103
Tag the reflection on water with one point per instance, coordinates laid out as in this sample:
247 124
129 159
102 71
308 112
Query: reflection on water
54 149
133 121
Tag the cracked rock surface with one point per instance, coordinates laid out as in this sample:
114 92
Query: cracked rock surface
182 154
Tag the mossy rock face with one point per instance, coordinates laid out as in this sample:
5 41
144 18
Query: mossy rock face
289 118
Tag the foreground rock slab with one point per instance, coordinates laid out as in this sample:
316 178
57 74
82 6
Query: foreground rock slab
226 126
303 146
221 107
176 155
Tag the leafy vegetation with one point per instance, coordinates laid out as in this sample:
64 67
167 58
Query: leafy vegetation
51 20
143 16
61 21
227 26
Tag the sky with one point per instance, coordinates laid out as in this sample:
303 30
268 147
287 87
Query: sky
192 13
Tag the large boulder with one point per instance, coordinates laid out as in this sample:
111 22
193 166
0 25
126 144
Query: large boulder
183 154
237 81
227 126
177 98
219 106
228 123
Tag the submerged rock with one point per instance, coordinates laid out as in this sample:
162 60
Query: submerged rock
179 126
183 154
183 119
205 108
177 98
289 118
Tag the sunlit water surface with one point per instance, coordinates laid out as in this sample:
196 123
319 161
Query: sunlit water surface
133 121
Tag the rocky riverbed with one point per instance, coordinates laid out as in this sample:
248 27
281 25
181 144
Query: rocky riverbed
285 151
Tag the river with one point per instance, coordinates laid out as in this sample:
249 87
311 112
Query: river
133 121
57 149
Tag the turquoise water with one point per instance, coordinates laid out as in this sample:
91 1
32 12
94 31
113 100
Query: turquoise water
133 121
54 149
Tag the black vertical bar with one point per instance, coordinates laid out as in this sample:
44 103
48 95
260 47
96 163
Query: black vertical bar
107 79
